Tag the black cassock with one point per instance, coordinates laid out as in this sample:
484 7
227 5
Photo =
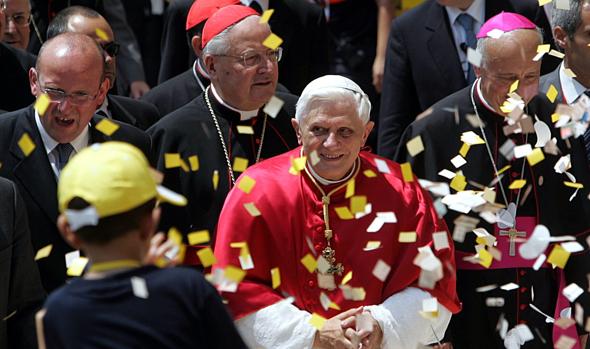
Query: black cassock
548 203
191 131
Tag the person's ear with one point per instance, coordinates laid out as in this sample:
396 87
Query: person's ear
34 82
67 233
560 37
210 66
297 129
149 224
196 44
368 128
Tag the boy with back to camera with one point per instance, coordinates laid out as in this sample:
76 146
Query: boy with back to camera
107 199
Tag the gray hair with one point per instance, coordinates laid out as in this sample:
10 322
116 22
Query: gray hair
568 20
359 99
482 43
219 44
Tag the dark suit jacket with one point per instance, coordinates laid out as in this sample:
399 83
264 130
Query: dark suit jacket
133 112
300 24
174 93
36 183
20 286
422 65
15 92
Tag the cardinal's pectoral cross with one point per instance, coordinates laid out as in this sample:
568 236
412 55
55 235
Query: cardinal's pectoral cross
328 254
512 234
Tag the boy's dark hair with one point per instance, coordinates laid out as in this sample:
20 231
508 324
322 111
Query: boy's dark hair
109 228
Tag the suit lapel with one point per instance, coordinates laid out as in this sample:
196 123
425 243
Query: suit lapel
95 135
34 172
441 46
120 113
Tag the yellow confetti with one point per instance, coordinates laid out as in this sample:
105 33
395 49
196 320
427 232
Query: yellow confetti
504 169
276 277
252 209
357 204
370 173
206 257
107 127
215 179
26 144
558 256
194 162
240 164
514 86
246 184
407 172
266 16
245 130
415 146
407 236
175 236
458 183
570 73
346 278
198 237
43 252
77 266
574 185
552 93
102 34
350 189
183 165
372 245
545 47
317 321
485 258
464 149
344 213
535 156
297 165
555 117
272 41
517 184
234 274
42 103
309 262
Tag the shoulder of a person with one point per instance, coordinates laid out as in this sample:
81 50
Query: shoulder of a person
193 111
267 169
9 119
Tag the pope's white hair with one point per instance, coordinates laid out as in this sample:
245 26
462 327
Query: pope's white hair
333 88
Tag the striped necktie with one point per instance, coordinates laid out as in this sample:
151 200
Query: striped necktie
63 152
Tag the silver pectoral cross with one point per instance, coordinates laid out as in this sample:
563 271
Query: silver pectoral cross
512 234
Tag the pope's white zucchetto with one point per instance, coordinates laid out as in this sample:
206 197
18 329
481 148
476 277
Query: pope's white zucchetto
333 84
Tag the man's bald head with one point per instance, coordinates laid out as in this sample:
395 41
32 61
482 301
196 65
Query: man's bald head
81 51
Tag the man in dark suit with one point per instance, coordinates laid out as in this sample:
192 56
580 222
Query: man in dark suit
572 78
302 26
426 58
86 21
181 89
14 89
38 141
21 293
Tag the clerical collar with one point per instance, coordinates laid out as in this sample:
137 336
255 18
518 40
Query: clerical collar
263 3
571 88
480 96
198 69
244 114
325 182
49 143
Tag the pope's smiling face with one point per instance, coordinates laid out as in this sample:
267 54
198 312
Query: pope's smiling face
335 132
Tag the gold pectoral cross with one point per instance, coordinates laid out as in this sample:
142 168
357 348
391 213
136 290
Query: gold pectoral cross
512 234
329 255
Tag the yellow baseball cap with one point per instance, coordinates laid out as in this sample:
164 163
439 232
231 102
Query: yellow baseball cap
113 177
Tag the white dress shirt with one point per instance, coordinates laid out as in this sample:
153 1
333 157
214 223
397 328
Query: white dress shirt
477 10
49 143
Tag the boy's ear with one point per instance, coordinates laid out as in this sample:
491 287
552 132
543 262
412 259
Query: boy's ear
67 233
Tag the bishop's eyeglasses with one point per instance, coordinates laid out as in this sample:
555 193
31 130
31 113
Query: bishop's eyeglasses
254 58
